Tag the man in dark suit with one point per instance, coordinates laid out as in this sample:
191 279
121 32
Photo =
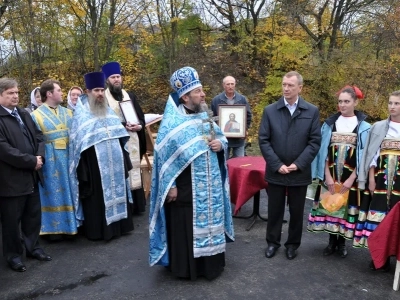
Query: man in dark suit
289 137
21 158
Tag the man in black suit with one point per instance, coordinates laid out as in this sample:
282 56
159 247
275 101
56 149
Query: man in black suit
21 158
289 138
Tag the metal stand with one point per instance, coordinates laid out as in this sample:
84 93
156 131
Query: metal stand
255 213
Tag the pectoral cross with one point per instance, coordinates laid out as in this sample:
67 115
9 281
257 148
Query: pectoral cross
106 127
211 120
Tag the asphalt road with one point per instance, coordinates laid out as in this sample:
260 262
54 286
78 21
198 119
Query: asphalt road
119 269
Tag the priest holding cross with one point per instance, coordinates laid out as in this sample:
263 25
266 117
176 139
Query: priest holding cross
190 212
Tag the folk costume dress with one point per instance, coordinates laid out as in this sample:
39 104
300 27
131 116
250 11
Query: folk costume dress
341 146
58 215
374 208
189 235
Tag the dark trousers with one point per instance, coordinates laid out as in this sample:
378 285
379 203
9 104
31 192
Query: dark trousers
24 211
276 209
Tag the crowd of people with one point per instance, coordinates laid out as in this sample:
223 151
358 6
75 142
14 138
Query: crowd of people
71 169
77 169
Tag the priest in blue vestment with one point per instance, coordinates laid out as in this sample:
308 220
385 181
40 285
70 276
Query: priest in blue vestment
190 212
99 165
58 217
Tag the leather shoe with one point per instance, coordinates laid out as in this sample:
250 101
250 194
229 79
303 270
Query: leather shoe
39 255
330 249
270 251
291 253
17 265
342 251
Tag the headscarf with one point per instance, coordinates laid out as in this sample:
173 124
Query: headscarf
34 104
70 104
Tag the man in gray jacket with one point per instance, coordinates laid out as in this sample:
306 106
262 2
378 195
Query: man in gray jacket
231 97
289 138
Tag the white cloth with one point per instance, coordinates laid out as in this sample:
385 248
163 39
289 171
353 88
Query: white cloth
69 101
151 117
346 124
33 100
393 132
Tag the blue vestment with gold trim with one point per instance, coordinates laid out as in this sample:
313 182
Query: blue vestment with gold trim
58 215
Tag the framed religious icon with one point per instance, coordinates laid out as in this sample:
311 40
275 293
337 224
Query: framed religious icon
233 120
129 112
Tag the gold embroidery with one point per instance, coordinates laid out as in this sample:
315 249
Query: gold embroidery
58 208
344 138
391 144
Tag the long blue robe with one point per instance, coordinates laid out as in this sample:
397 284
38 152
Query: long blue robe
182 140
58 215
104 134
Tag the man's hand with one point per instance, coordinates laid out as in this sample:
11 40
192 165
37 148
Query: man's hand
215 145
39 162
287 169
284 170
133 127
172 194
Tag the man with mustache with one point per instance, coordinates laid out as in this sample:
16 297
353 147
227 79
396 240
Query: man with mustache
190 212
137 141
99 165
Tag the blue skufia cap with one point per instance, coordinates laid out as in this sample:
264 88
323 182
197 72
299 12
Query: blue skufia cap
111 68
94 80
184 80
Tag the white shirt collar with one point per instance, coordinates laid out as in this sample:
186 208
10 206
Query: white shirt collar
7 109
294 104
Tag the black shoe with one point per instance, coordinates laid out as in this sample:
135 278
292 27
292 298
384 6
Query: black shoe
330 249
39 255
270 251
291 253
342 251
385 268
16 264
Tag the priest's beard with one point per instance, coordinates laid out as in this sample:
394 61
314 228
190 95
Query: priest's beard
201 107
98 107
115 89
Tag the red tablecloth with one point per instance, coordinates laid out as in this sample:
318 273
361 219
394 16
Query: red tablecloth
385 240
246 177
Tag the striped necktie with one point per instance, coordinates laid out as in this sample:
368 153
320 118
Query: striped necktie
16 115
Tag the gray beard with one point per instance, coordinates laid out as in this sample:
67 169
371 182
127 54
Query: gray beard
201 107
98 109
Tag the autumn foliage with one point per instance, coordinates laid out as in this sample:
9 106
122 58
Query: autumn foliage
331 43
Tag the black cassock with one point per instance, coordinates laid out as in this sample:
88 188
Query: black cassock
91 196
139 204
179 218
